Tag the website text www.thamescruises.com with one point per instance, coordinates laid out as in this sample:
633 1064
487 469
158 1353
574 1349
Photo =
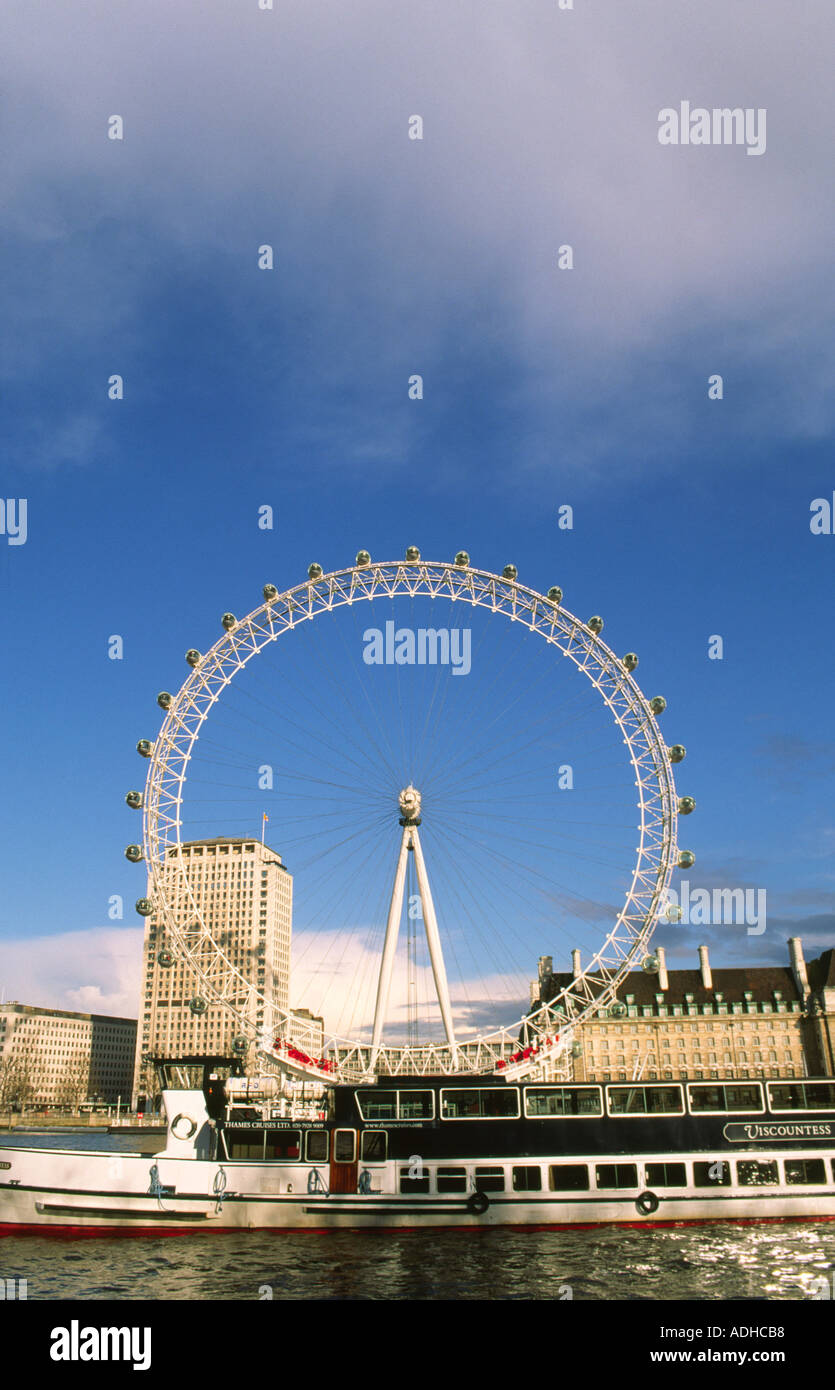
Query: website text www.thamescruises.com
734 1354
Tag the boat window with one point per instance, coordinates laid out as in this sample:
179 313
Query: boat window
801 1095
395 1105
568 1177
244 1146
546 1101
527 1178
645 1100
415 1105
617 1175
725 1098
316 1146
377 1105
750 1173
712 1173
373 1148
452 1179
489 1179
414 1184
473 1104
344 1146
666 1175
283 1144
805 1170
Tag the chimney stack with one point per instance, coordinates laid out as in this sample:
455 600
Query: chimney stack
798 965
704 966
663 978
575 963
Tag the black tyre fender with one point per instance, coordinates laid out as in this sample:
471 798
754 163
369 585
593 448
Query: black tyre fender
647 1203
477 1203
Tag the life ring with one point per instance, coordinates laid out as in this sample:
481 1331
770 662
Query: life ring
477 1203
647 1203
188 1122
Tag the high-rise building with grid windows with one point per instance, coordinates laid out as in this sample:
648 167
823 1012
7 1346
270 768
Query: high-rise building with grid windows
245 895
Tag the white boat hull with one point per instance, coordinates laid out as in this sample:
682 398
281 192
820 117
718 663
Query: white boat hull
70 1191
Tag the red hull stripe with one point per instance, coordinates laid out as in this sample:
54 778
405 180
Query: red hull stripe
97 1232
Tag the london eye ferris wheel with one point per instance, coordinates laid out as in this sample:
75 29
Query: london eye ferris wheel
462 775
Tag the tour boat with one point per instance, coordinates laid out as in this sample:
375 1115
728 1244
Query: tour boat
445 1151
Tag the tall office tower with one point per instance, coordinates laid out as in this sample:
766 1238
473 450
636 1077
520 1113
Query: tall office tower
246 898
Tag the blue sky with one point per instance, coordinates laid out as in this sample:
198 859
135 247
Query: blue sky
541 387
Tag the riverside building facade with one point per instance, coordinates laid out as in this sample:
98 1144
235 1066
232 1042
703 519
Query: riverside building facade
245 894
705 1024
56 1058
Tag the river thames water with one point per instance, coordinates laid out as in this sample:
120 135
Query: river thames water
782 1261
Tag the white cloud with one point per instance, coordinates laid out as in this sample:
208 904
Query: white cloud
94 971
335 976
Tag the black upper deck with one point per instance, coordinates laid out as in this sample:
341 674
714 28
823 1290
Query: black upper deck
442 1117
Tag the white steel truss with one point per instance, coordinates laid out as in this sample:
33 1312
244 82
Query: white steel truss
546 1029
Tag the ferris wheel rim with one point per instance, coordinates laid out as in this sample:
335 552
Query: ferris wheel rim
595 986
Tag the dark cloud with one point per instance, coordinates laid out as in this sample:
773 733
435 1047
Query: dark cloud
244 126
